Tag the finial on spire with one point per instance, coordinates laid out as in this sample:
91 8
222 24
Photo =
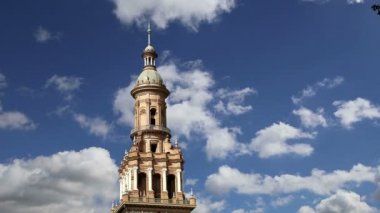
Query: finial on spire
149 33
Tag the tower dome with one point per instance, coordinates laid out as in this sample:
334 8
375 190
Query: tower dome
149 49
149 76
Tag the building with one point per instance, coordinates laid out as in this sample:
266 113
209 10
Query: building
151 172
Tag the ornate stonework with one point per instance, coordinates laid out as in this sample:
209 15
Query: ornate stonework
151 172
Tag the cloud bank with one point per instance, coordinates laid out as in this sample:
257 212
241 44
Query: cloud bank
70 181
319 182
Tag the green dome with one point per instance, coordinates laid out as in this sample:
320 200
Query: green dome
149 76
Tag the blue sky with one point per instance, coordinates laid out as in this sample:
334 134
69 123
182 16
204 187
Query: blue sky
275 103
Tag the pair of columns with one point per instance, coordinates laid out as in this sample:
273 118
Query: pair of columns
126 181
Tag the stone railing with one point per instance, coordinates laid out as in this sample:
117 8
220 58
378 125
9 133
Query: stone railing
153 201
157 201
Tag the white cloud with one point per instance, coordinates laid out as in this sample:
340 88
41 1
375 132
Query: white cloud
311 119
205 205
355 1
306 209
319 182
69 181
182 102
123 104
258 210
163 12
282 201
325 1
341 201
42 35
15 120
311 91
232 100
272 141
65 85
96 126
191 181
350 112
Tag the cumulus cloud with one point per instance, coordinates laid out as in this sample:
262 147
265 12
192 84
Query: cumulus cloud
66 85
13 119
311 119
162 12
123 104
353 111
231 101
206 205
192 79
312 90
70 181
319 182
96 126
273 141
341 201
42 35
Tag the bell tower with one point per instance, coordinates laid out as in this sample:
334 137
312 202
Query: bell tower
151 172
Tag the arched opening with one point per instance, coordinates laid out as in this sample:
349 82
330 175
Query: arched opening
142 184
153 147
157 185
153 116
171 186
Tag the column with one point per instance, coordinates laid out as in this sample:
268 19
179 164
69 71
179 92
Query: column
163 174
135 178
126 184
149 172
129 179
121 187
178 177
148 110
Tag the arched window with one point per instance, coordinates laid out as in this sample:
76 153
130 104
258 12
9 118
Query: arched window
157 185
171 186
153 116
142 184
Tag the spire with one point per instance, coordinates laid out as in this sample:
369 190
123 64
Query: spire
149 54
149 33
